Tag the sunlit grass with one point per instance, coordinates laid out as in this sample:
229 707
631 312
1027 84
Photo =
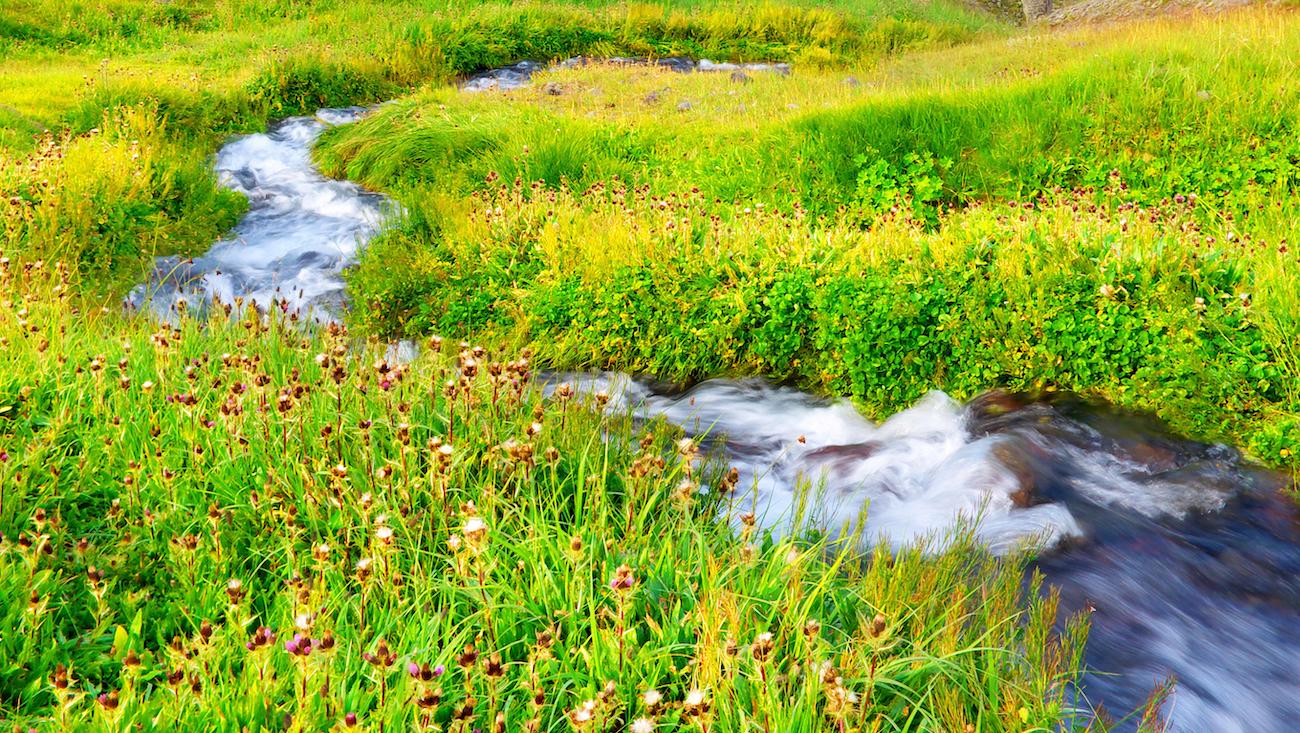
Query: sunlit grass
242 523
699 224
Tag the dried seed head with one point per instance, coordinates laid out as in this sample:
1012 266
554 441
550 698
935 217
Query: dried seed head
474 530
696 702
878 625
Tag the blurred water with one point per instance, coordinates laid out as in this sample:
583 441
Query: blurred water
300 232
1189 555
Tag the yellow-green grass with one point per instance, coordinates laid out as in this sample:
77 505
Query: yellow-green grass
171 491
218 47
813 228
204 70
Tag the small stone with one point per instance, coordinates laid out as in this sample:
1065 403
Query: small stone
853 81
684 106
740 77
1203 95
554 89
652 98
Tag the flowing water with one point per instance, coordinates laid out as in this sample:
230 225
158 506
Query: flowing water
291 248
1188 555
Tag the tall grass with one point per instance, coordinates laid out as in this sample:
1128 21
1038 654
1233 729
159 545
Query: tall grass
105 200
238 523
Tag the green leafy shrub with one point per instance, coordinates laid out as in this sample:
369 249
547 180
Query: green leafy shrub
302 85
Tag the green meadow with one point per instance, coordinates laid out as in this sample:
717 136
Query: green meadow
235 522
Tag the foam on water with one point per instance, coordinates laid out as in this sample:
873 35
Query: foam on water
1187 555
300 232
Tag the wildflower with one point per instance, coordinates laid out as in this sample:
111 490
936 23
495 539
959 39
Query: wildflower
60 677
653 700
474 530
877 625
623 579
350 720
697 702
107 700
299 645
467 658
642 725
321 552
762 647
381 657
384 534
492 667
583 715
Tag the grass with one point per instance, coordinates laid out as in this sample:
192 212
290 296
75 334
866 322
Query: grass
241 523
202 70
1101 210
236 524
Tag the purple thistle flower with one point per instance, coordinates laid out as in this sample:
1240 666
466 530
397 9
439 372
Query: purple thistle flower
413 669
439 670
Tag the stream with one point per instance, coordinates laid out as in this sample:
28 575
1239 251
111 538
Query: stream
1188 555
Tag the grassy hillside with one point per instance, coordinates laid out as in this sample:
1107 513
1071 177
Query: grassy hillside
1104 210
192 72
